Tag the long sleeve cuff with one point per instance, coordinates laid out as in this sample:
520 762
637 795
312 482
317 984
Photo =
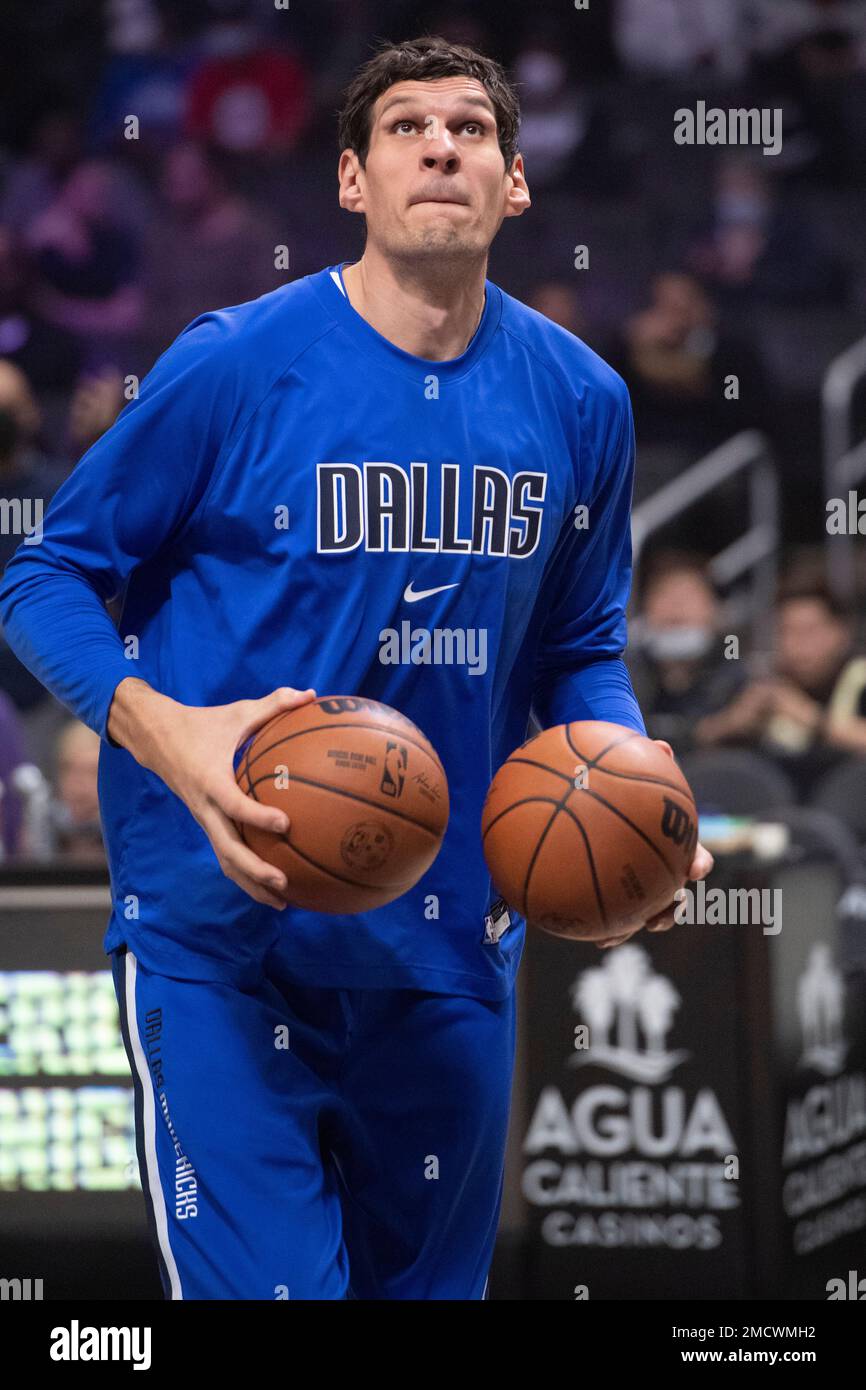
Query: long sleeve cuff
601 689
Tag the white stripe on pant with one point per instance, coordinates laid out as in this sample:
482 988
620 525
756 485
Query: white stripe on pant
157 1196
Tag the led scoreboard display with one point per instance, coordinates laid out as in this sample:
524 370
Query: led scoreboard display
67 1138
65 1104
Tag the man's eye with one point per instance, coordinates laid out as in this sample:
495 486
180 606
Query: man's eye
477 127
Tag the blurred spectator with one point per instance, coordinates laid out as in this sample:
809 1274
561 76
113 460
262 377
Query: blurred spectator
778 26
86 264
810 710
676 653
559 301
27 473
554 113
813 54
207 248
47 355
76 809
676 361
247 95
668 38
28 481
33 182
752 248
95 405
565 137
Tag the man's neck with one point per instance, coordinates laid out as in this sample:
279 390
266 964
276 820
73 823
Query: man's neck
425 311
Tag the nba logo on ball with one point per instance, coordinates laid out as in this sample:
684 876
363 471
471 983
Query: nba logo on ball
367 802
394 770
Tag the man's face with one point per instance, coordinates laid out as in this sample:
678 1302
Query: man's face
810 641
681 305
681 599
435 180
77 772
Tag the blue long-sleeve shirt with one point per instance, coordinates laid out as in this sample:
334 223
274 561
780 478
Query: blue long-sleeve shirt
294 500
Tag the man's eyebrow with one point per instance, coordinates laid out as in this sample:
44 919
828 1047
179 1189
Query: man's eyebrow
406 98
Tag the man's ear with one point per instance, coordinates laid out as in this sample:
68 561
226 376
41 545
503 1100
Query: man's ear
517 199
350 196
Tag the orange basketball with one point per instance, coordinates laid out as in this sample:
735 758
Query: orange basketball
589 829
366 795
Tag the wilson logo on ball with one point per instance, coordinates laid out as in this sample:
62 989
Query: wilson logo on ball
356 704
585 830
678 825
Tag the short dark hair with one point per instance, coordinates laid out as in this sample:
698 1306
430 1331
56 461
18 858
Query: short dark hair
805 590
663 563
421 60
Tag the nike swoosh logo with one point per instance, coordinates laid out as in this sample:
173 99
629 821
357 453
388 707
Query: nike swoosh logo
410 596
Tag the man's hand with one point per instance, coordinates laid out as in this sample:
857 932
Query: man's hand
700 867
192 750
744 718
789 700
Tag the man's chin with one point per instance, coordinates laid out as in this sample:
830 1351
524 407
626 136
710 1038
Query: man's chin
437 238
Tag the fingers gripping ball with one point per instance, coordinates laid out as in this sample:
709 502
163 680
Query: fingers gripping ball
366 795
589 829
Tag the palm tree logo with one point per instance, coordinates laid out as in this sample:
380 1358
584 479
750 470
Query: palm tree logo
821 1006
626 998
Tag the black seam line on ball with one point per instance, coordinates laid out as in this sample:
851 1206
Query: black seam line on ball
251 791
593 762
590 855
534 858
643 777
608 772
558 806
625 776
337 728
544 767
630 823
353 796
341 878
524 801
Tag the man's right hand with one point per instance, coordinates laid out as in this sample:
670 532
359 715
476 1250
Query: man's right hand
192 749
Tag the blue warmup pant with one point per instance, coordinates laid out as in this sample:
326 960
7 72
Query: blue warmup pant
308 1143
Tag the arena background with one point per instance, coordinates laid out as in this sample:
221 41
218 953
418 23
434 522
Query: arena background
161 159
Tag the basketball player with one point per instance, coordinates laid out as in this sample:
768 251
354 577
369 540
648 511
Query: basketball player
322 1101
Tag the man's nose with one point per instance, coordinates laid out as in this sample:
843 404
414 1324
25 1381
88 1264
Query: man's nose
446 159
440 150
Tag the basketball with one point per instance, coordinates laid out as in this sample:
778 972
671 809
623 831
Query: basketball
366 795
589 829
